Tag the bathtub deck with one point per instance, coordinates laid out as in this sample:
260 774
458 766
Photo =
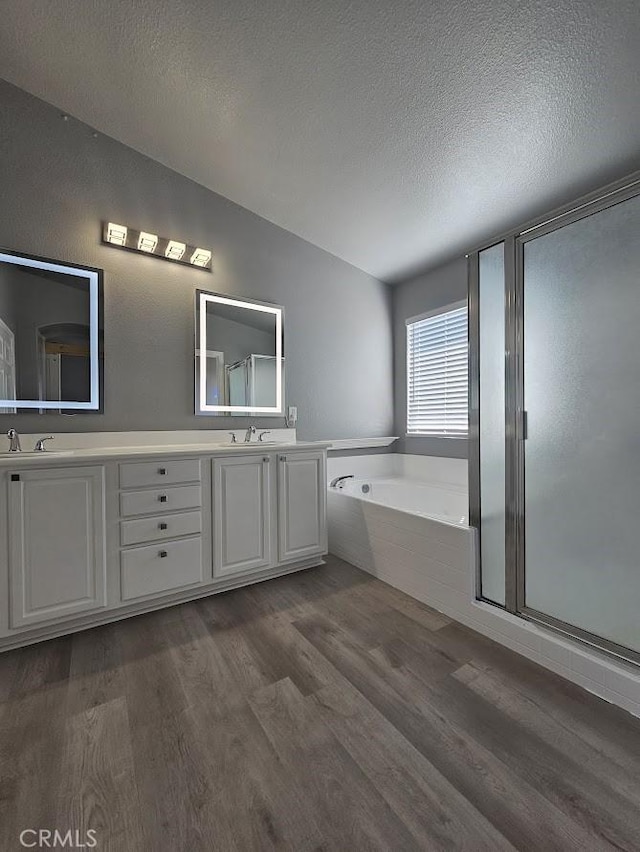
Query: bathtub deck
319 711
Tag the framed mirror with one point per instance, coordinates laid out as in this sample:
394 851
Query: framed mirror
50 335
239 356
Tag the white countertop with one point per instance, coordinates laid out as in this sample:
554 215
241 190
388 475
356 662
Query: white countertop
51 457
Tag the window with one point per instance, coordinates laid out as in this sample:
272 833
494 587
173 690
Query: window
437 367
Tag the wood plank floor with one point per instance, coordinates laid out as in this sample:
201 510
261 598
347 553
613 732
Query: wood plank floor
319 711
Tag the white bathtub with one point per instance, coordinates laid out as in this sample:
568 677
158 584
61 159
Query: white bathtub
438 502
404 519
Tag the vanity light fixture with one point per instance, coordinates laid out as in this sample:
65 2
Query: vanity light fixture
147 242
116 234
200 257
175 251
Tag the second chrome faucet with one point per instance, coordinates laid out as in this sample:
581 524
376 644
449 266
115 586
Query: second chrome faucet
251 431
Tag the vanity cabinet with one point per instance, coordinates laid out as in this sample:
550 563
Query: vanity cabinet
241 514
302 495
56 547
85 542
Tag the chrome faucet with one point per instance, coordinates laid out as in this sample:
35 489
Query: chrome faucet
337 482
14 441
250 431
40 444
262 434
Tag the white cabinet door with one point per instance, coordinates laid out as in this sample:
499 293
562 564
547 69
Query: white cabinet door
242 514
56 543
302 499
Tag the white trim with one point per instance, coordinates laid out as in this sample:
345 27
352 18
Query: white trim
213 354
6 331
4 326
360 443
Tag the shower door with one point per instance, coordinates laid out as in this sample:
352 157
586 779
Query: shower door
577 410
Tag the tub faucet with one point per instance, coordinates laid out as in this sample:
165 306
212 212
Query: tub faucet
250 432
14 441
337 482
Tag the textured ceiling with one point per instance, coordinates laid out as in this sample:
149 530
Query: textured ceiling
391 134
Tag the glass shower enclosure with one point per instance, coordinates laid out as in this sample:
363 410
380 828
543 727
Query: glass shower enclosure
555 420
252 381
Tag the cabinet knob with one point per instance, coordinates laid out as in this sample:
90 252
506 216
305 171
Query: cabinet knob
265 459
162 554
283 458
162 471
162 498
163 526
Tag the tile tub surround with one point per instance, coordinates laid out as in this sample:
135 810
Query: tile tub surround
434 562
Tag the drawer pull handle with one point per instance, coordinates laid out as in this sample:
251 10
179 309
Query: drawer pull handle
163 554
162 498
163 526
162 471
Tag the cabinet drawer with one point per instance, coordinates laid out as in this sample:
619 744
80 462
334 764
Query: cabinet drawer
160 528
140 474
160 500
160 568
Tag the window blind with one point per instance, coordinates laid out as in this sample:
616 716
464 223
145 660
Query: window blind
437 373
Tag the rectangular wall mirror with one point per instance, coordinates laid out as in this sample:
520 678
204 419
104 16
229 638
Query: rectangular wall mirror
239 356
50 335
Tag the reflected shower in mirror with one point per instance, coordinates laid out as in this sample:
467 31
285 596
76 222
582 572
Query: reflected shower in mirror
239 356
50 335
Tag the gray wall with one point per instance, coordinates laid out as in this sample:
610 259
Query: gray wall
435 289
58 184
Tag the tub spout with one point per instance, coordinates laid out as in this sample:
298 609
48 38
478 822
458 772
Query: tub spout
337 482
